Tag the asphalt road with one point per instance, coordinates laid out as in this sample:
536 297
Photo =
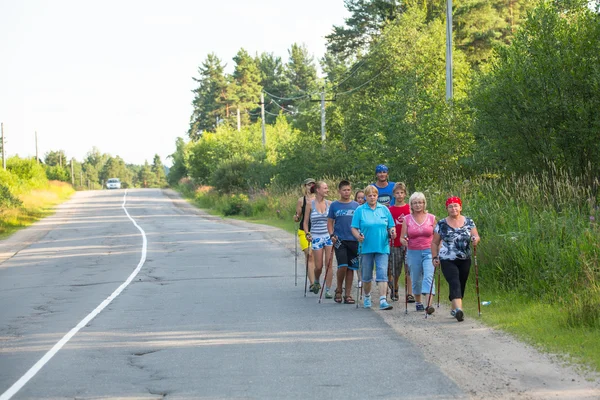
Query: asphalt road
212 314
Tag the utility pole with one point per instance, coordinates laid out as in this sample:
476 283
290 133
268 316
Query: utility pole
72 176
323 100
2 143
262 116
239 120
449 86
37 159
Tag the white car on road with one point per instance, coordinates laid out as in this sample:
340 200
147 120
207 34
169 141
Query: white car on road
113 183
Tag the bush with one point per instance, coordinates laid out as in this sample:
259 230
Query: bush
57 173
235 204
230 175
30 174
7 199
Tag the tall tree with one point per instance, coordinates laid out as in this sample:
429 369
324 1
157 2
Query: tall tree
273 81
480 25
210 97
300 70
158 169
145 176
180 158
53 158
367 19
245 85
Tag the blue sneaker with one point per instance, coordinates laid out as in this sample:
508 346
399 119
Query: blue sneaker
453 313
367 302
420 307
383 305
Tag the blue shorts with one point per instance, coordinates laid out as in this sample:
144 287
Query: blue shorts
381 265
318 243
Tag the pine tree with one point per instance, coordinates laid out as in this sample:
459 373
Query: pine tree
159 171
145 176
245 86
210 97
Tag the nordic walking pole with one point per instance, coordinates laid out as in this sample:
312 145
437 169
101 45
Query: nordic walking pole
359 286
429 309
477 279
296 262
327 268
438 285
403 261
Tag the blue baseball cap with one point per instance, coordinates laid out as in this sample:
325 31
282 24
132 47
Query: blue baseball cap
381 168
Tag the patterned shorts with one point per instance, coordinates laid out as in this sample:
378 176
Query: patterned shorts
319 242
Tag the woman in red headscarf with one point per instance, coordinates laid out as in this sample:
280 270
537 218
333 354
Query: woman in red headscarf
456 233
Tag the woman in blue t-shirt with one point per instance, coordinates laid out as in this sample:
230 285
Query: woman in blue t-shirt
370 226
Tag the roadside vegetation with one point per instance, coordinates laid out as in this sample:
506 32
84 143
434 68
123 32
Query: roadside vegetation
519 142
29 190
26 194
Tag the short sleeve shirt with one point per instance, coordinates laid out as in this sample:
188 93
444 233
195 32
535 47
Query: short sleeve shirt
342 214
398 213
374 225
386 194
456 242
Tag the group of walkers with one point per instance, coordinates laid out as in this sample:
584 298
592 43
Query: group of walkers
377 231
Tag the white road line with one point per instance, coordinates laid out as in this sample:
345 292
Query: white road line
40 364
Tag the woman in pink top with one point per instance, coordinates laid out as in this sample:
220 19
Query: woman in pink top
417 234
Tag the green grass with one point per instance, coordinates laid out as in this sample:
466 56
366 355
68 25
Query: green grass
37 204
542 325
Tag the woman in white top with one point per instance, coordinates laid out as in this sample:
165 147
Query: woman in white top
318 235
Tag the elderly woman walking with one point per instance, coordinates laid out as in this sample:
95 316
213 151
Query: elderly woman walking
370 226
417 233
456 233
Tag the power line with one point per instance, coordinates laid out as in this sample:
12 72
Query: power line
270 113
362 62
286 98
282 107
363 84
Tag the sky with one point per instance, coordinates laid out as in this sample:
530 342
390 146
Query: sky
117 74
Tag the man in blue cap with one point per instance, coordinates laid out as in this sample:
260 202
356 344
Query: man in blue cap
385 188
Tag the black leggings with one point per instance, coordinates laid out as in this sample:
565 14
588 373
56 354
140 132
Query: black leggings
456 273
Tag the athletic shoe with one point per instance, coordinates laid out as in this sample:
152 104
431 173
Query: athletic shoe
453 313
420 307
328 295
367 302
316 288
383 305
460 316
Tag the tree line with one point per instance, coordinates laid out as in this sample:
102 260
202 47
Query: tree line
526 79
97 167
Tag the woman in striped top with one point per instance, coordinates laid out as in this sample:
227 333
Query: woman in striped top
318 235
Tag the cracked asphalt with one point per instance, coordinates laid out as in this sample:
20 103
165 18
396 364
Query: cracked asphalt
213 314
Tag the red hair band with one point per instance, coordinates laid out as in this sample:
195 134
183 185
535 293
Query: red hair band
453 200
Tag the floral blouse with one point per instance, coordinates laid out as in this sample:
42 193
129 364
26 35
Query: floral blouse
456 242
